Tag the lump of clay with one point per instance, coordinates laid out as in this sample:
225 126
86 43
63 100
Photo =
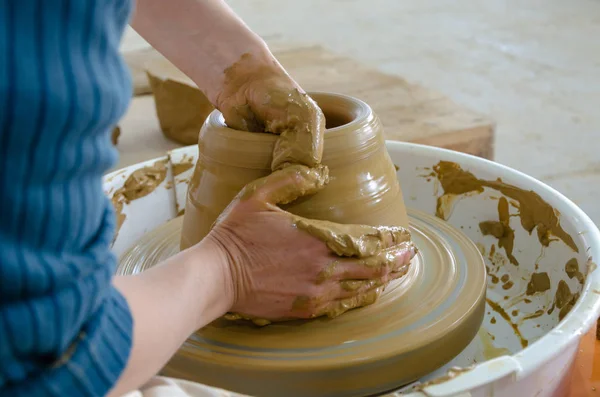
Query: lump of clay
116 133
180 106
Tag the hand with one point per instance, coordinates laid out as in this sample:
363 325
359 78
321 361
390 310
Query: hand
282 266
259 96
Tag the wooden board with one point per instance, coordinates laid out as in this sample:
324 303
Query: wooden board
409 112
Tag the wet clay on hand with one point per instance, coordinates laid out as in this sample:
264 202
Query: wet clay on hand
375 247
261 97
360 213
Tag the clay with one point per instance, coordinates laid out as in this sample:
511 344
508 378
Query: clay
355 240
451 374
564 300
362 188
498 309
501 230
539 282
181 107
116 132
143 181
507 285
416 325
140 183
536 314
180 168
294 116
572 270
534 212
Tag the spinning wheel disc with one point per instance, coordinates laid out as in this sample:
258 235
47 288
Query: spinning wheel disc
419 323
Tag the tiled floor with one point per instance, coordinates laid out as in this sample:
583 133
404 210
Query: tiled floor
533 65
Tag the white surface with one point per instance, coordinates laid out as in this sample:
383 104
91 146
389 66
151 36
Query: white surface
534 66
536 370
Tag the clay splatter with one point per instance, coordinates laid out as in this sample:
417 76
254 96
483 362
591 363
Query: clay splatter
498 309
539 282
572 270
501 230
535 212
140 183
180 168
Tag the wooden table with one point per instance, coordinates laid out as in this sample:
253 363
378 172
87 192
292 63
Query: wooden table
409 112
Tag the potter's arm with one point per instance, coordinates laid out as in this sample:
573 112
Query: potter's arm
201 37
236 71
168 303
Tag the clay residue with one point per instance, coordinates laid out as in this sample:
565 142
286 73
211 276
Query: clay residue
490 351
564 300
539 282
180 168
451 374
140 183
143 181
116 132
572 270
359 241
530 316
326 273
117 201
591 265
498 309
501 230
535 212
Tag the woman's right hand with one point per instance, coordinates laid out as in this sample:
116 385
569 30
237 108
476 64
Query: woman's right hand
280 266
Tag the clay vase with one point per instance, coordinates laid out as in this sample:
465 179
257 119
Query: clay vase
363 187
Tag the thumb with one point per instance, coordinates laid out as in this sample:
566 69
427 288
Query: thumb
288 184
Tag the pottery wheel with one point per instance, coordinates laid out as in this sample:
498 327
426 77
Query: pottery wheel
418 324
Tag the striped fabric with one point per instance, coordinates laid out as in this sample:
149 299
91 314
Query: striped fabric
64 330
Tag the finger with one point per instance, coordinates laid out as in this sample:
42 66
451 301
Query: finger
286 185
354 240
345 295
300 132
389 260
349 288
242 118
338 307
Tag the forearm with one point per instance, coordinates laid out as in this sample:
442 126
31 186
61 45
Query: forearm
168 303
201 37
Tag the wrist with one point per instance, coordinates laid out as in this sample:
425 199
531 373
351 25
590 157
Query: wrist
252 61
209 272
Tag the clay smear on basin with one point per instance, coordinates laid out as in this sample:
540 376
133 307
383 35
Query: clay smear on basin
140 183
534 212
